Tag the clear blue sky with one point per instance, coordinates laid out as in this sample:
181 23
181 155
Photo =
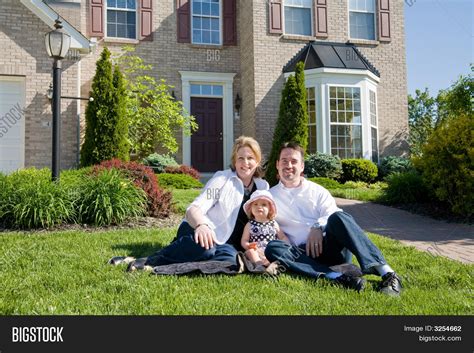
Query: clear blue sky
440 42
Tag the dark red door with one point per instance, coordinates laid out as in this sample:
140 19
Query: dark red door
206 142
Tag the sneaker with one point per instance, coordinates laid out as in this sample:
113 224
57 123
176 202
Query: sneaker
351 282
391 284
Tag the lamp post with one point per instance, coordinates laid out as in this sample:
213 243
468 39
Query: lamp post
57 45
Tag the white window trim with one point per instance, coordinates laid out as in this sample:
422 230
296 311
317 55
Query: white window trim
221 25
224 79
349 23
322 79
302 7
128 10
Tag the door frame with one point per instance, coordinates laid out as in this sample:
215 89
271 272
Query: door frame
217 78
22 81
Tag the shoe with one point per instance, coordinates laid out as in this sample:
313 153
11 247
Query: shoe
138 264
117 260
351 282
391 284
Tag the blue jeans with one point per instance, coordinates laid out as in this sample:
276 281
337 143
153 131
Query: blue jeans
342 234
184 249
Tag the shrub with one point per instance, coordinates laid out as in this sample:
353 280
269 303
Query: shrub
355 185
178 181
322 165
447 163
109 198
158 200
392 164
326 183
35 201
358 170
183 169
292 122
106 121
405 188
158 162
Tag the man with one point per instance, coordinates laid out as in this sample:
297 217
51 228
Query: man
321 233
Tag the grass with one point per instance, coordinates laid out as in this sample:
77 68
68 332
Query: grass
65 273
361 194
182 198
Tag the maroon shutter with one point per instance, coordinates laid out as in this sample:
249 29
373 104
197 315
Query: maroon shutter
96 28
230 22
384 20
146 20
183 20
274 15
321 18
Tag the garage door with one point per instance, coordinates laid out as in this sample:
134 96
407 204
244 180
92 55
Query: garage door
12 123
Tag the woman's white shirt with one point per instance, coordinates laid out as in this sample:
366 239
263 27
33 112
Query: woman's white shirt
220 202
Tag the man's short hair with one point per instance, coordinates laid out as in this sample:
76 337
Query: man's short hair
292 145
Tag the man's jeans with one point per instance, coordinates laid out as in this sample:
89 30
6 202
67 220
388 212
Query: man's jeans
184 249
342 234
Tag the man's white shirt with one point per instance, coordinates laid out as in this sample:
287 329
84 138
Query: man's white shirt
300 207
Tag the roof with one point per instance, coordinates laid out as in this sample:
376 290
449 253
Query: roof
331 55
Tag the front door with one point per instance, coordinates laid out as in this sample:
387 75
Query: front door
206 142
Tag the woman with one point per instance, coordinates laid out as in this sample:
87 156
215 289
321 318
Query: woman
215 220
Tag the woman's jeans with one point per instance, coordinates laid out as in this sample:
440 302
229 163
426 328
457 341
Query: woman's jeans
183 248
342 234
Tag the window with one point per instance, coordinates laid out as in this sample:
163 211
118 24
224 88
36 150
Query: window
206 22
122 18
298 14
312 132
206 90
346 122
373 126
362 19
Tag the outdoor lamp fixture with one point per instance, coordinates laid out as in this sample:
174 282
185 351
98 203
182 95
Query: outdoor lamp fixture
57 45
238 103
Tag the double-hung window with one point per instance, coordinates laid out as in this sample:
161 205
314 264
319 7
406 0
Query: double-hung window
373 126
346 121
206 22
362 19
122 18
298 15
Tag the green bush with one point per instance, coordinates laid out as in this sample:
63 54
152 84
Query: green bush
159 162
322 165
326 182
292 122
392 164
178 181
35 201
109 198
405 188
355 185
447 163
358 170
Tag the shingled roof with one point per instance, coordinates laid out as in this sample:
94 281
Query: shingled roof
331 55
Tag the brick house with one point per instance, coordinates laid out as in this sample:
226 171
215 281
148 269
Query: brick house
227 61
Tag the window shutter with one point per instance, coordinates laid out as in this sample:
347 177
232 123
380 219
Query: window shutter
230 22
184 20
321 18
275 19
96 28
146 20
384 20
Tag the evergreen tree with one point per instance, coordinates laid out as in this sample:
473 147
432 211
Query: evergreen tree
292 123
106 127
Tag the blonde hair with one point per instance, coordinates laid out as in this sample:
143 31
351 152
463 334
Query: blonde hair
246 141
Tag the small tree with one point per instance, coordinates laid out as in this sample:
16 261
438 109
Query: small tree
106 127
422 119
292 123
154 116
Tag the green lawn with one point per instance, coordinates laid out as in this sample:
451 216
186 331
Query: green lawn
66 273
